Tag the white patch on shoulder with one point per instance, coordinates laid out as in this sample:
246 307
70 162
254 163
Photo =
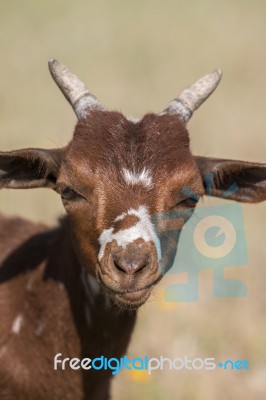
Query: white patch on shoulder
17 324
143 229
40 328
143 177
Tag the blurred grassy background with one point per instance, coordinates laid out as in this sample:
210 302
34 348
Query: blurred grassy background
136 56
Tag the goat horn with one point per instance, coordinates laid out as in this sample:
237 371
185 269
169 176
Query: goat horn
192 97
73 89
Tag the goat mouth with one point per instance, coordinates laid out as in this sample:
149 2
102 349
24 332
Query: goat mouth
131 300
128 298
134 295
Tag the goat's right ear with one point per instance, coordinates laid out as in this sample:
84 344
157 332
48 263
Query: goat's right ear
29 168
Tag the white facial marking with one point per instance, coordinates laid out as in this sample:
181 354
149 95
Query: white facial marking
143 229
16 326
143 177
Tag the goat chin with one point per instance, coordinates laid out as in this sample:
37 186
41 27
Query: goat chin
131 300
131 297
128 300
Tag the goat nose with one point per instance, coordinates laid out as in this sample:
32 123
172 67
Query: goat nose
129 266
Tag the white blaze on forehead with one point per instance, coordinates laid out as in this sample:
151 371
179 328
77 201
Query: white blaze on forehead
143 229
143 177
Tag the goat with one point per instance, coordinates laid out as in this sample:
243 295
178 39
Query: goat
74 290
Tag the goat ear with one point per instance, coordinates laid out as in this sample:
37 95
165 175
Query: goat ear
237 180
29 168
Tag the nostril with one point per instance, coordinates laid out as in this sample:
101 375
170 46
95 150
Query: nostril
141 266
119 267
122 264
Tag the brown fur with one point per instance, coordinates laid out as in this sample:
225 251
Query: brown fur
41 281
41 270
45 273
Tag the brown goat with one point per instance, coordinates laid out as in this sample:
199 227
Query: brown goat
75 289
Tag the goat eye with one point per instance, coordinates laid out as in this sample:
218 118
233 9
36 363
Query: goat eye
69 194
189 202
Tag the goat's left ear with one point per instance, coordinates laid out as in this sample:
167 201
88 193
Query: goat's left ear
236 180
29 168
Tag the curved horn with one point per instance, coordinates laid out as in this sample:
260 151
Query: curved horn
73 89
192 97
